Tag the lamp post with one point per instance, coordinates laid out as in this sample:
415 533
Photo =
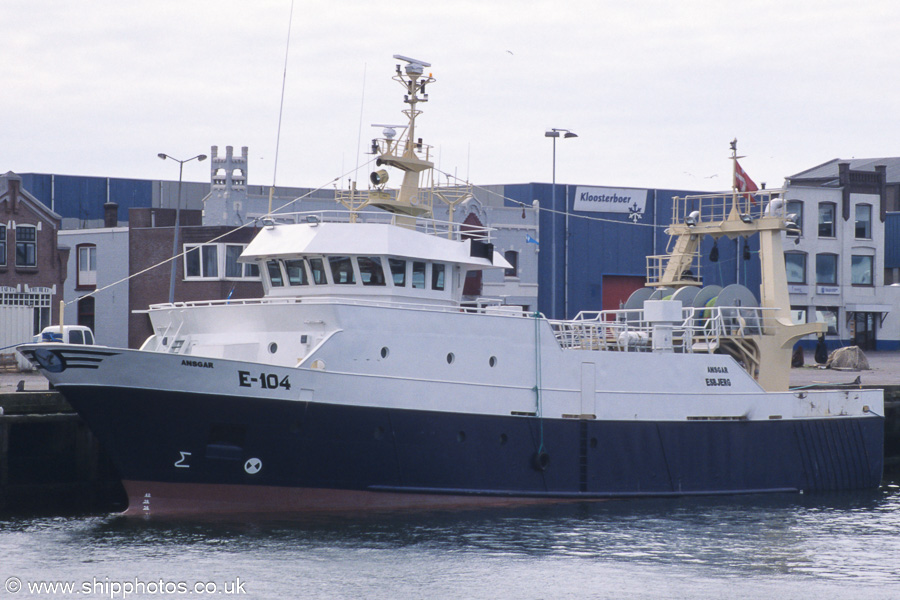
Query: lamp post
164 156
554 133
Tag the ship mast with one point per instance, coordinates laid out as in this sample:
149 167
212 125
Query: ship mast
408 154
766 353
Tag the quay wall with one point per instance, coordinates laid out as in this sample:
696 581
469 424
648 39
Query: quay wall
50 460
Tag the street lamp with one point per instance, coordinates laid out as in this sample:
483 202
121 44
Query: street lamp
554 133
164 156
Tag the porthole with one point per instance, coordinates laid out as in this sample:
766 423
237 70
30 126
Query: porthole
593 442
461 436
450 358
492 361
385 352
503 439
379 433
273 348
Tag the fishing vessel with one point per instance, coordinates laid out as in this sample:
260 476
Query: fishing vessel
361 380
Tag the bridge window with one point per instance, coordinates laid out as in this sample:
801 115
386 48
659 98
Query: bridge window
370 270
437 276
342 270
398 271
317 271
275 275
296 272
418 275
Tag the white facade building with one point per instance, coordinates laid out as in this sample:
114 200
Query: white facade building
835 262
98 258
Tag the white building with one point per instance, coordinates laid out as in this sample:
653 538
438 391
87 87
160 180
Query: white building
835 262
98 258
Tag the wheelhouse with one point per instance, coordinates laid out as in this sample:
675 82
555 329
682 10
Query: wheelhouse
388 276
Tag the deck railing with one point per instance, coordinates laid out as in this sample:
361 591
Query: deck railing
428 226
700 329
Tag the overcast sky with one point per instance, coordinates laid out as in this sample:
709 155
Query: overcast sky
655 89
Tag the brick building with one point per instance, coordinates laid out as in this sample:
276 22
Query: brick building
207 268
32 265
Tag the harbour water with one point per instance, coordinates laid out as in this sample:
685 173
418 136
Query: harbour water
786 546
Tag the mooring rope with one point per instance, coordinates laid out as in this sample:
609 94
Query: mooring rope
537 378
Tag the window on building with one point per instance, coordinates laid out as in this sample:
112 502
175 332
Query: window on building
296 272
864 221
794 212
826 219
2 245
826 269
798 315
26 246
370 270
342 270
398 271
217 261
861 269
232 267
192 262
274 269
41 318
795 265
210 256
829 316
418 275
86 312
512 257
891 276
202 261
235 269
437 276
86 257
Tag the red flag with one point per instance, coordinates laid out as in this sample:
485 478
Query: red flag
743 183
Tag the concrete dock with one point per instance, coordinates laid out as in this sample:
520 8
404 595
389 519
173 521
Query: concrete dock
49 459
884 372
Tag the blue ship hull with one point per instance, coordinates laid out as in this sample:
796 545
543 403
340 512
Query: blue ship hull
206 453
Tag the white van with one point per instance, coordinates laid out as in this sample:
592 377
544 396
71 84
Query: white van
71 334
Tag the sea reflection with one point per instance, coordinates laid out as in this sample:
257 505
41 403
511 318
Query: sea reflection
823 534
693 544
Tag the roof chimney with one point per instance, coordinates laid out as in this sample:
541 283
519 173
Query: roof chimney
110 214
14 187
